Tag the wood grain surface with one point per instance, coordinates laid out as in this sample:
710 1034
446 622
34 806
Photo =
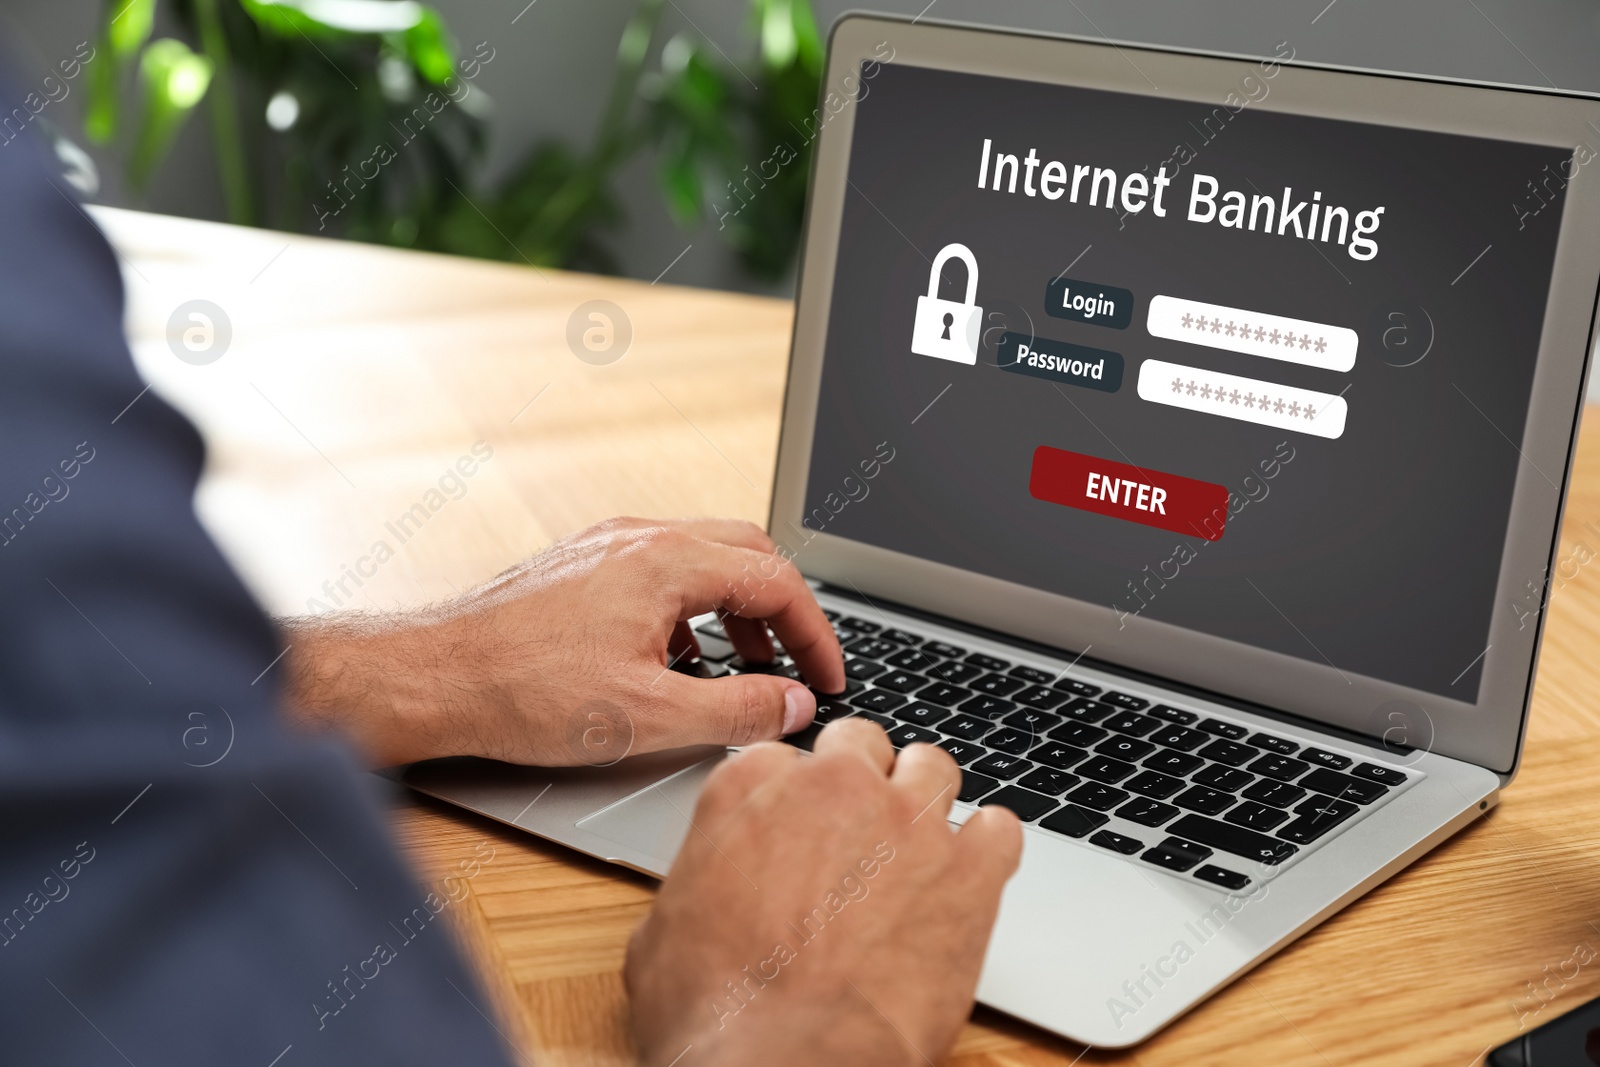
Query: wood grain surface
356 377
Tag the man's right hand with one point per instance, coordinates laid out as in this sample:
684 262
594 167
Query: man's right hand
821 910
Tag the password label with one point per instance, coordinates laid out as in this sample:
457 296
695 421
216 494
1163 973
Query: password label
1058 361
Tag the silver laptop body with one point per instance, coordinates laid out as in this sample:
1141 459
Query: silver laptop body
1003 472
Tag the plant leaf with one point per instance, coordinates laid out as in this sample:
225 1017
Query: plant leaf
129 25
175 80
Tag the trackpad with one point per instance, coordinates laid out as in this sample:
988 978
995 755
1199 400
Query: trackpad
655 820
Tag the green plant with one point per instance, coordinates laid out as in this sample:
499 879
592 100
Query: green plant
369 126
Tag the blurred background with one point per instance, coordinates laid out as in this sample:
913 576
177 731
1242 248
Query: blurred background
593 134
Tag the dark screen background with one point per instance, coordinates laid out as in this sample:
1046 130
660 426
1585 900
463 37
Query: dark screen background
1377 552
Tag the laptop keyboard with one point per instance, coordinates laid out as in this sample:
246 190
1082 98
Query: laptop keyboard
1186 792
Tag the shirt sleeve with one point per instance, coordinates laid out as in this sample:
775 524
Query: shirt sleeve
182 879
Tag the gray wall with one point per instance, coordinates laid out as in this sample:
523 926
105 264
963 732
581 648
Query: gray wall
552 67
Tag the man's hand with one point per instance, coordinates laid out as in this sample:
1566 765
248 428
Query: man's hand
564 660
821 911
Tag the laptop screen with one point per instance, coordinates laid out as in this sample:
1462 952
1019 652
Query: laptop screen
1254 374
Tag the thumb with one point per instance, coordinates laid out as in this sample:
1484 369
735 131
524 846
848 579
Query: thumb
737 710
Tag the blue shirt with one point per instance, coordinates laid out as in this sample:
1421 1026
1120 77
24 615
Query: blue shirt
182 879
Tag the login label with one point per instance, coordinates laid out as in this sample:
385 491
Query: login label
1097 305
1058 361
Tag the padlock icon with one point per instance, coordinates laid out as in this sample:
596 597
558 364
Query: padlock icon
947 329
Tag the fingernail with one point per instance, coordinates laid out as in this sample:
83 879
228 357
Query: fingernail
799 708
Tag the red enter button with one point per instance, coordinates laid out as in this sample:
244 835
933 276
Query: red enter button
1182 505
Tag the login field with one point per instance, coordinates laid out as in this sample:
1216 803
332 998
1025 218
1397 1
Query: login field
1254 333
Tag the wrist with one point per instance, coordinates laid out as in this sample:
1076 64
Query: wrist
385 682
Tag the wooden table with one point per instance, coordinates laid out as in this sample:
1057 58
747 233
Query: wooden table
355 376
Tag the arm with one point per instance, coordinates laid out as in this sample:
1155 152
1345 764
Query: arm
184 881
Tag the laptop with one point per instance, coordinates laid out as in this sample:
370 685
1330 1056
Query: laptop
1179 440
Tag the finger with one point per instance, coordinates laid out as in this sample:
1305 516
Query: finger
682 646
858 738
730 785
733 532
749 638
758 585
737 710
990 847
930 776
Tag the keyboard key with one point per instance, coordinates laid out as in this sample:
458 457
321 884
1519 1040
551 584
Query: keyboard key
1031 674
979 659
1221 876
1073 821
1256 816
1049 780
1307 828
1010 740
940 693
832 711
1152 784
919 714
975 786
1077 733
1128 723
845 636
1097 796
882 721
1328 808
965 727
964 752
871 647
987 707
1124 748
1274 744
901 681
745 666
1276 794
1002 766
1232 754
1331 760
1077 688
863 669
1116 842
805 740
1204 800
1039 696
1124 700
1381 775
1283 768
1236 840
1105 769
901 736
880 700
1175 855
1086 710
1343 786
1027 804
901 637
996 685
1224 778
1028 719
861 626
1055 754
1168 762
712 628
1146 812
942 648
911 659
1172 714
1232 731
1179 737
954 673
